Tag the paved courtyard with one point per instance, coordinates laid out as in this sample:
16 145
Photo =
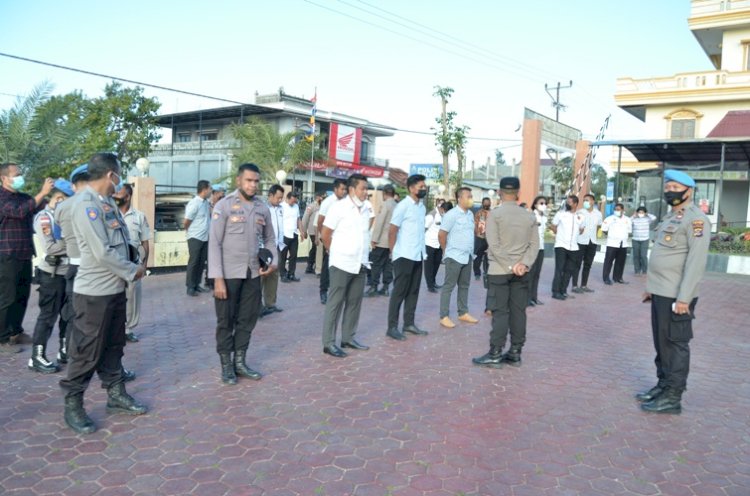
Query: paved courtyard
405 418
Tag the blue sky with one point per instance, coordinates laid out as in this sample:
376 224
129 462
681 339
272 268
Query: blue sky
498 57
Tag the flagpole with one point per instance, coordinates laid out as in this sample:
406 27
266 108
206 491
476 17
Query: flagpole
312 142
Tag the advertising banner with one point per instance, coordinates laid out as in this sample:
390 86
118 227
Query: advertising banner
345 143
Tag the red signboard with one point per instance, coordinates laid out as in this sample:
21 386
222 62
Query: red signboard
345 143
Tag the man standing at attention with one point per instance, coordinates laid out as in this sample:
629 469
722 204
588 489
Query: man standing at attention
406 242
240 226
618 228
678 261
513 240
196 224
97 339
339 191
292 232
17 212
456 233
140 234
270 282
346 235
380 256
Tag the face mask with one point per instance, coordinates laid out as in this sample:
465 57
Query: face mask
674 198
486 207
357 202
618 213
246 196
641 214
421 193
18 182
541 208
568 207
120 202
587 204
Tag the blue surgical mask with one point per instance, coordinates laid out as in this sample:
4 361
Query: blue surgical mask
618 213
18 183
586 204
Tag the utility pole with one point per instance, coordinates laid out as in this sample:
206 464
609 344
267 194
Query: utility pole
556 99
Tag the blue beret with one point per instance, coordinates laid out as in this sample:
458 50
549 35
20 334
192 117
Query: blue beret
81 169
218 187
679 177
64 186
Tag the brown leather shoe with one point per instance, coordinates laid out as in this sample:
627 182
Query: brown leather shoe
447 322
467 318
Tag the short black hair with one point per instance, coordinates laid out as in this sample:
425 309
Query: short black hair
642 209
247 167
354 180
463 188
446 206
4 168
622 207
389 190
589 195
537 200
337 183
486 198
414 179
102 163
275 188
128 189
203 185
292 194
574 198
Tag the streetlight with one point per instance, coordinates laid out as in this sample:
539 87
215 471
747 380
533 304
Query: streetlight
281 176
142 165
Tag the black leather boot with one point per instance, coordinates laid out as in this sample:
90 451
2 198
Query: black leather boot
666 402
76 417
650 394
241 369
227 369
39 362
493 358
119 401
62 353
513 356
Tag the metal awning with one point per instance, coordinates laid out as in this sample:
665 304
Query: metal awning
686 152
230 112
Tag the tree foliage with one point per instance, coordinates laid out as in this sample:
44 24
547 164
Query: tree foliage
262 144
19 125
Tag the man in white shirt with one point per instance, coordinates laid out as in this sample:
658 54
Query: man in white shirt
587 245
292 231
432 245
270 282
346 236
196 225
567 225
618 227
339 192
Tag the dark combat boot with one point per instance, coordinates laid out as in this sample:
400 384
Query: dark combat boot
39 362
241 369
666 402
76 417
62 354
119 401
228 375
651 394
493 358
513 356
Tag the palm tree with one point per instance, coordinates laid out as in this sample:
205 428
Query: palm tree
18 125
262 144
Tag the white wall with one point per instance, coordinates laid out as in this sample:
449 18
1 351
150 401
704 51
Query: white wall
735 204
657 127
732 50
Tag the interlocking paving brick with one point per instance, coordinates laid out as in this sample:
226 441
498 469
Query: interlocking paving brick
405 418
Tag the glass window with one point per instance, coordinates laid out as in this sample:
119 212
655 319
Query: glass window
183 138
705 196
364 154
683 128
210 136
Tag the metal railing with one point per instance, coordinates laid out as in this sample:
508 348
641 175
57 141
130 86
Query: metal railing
687 81
700 8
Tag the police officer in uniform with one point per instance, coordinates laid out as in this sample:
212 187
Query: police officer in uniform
678 261
53 264
98 338
513 245
241 225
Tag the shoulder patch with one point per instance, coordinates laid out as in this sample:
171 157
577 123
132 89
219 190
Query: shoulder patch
92 213
698 228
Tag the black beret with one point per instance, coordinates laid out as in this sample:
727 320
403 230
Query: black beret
510 183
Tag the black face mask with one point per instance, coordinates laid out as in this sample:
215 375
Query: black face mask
568 207
486 207
120 201
421 193
246 196
675 198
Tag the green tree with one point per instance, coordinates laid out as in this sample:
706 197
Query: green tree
499 158
599 180
19 125
443 134
122 121
459 137
562 175
262 144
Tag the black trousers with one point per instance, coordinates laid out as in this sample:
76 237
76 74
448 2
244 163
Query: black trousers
15 289
68 312
618 256
672 334
586 254
325 277
312 254
289 252
51 300
237 315
534 274
96 342
432 265
407 277
507 298
481 263
198 253
380 259
565 263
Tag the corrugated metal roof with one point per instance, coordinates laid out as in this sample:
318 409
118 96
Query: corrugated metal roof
735 124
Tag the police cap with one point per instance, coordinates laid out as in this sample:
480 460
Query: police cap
65 186
679 177
510 183
77 173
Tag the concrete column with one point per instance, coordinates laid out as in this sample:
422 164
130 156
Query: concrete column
582 150
530 160
144 199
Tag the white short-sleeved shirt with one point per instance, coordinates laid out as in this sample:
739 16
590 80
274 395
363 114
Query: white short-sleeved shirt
591 220
291 216
330 200
350 241
568 228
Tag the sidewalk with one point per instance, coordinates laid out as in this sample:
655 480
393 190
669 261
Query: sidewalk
405 418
